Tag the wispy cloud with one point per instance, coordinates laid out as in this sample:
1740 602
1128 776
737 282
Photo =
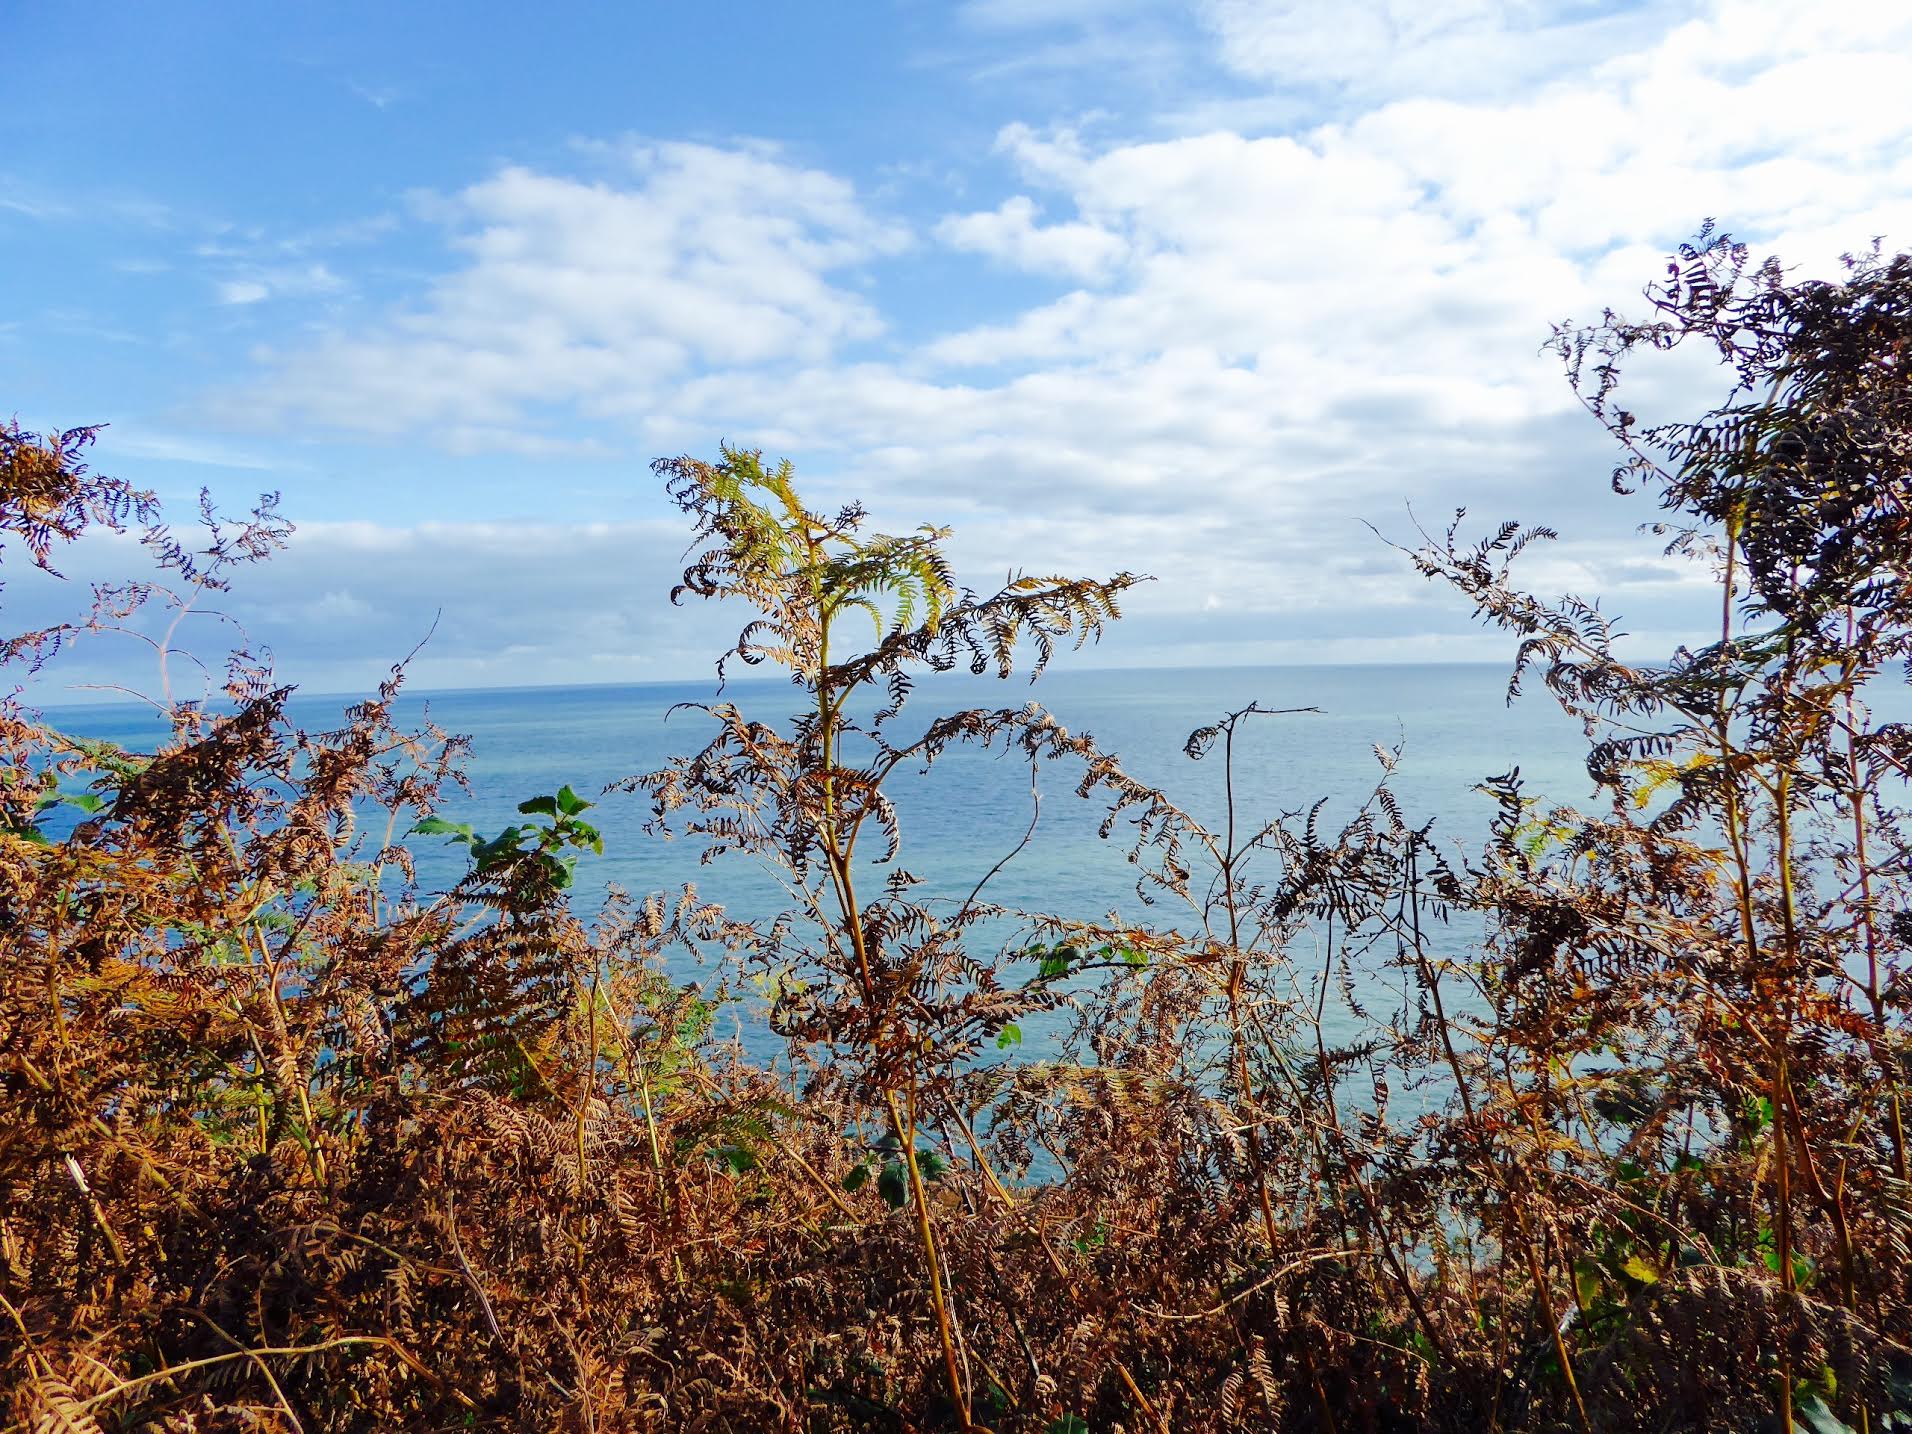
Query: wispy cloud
380 97
1381 49
129 440
255 284
29 207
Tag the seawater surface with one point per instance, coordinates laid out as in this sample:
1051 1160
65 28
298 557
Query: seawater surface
1451 722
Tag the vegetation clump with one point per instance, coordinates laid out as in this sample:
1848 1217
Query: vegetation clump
293 1143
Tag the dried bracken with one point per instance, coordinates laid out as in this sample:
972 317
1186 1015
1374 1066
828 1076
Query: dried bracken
290 1142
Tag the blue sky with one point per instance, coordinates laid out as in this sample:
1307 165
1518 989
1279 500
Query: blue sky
1192 288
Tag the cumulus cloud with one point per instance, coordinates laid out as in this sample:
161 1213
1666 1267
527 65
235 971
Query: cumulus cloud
595 293
1010 233
1275 336
1228 348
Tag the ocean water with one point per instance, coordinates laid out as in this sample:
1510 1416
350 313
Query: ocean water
1451 722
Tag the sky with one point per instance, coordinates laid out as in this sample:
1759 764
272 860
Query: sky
1205 289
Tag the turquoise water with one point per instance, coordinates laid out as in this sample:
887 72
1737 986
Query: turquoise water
973 808
1451 721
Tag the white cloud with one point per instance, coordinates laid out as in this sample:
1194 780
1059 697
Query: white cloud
502 603
1010 233
499 604
337 605
598 292
1248 342
1483 48
130 440
256 284
1305 329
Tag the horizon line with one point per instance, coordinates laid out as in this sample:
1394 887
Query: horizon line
962 674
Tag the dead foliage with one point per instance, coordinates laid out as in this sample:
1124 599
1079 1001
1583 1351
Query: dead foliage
290 1142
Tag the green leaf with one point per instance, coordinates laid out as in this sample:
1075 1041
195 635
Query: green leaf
736 1159
1638 1268
536 806
110 757
438 826
1009 1035
570 803
856 1177
1586 1282
1088 1244
505 844
1068 1424
1057 960
1803 1267
893 1184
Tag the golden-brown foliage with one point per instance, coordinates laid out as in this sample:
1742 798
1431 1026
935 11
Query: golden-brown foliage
290 1143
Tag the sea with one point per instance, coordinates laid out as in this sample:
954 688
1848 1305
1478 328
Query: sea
1448 728
1451 724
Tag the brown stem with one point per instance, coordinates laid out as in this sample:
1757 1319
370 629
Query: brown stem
1545 1297
1875 996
